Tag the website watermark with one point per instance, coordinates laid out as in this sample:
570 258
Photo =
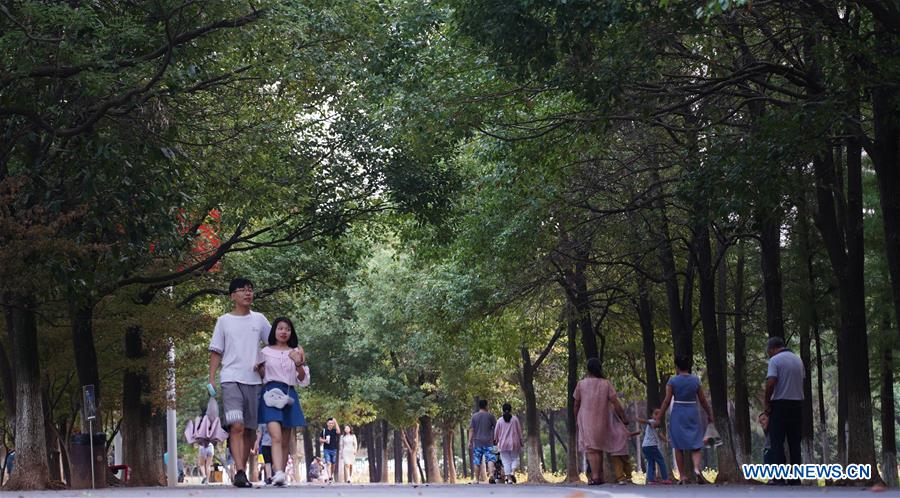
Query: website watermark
810 471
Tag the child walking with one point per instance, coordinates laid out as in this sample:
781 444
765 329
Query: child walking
282 365
764 424
650 449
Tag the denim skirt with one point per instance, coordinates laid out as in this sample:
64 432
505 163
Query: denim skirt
289 416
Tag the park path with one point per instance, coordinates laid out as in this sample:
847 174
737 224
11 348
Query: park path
448 491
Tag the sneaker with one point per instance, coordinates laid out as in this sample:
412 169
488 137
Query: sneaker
279 479
268 481
241 481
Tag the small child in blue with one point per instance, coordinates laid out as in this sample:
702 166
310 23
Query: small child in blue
282 365
650 448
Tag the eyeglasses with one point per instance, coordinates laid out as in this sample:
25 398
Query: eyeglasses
245 290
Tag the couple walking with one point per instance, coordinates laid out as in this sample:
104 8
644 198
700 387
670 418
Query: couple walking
257 386
333 443
489 436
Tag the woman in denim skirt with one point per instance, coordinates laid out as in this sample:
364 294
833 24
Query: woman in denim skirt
282 365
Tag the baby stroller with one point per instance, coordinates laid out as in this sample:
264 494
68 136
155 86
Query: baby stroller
497 477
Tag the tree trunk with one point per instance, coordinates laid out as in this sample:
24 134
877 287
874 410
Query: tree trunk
7 375
645 317
728 467
808 322
681 335
811 316
53 442
532 422
540 443
466 454
572 474
823 419
552 441
722 307
885 156
411 442
382 454
375 451
143 429
581 303
449 460
807 438
687 297
307 448
398 457
31 471
888 420
81 316
368 434
770 258
741 394
853 355
429 450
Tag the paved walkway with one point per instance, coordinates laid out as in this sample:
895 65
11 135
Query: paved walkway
467 490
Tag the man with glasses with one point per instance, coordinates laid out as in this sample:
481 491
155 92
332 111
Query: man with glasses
235 345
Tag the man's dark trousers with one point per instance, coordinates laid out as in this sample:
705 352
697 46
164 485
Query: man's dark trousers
785 422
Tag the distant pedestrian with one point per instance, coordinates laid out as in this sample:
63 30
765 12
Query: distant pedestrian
330 440
229 463
316 468
481 440
595 401
650 448
508 436
349 446
179 465
283 367
784 400
683 393
204 460
264 441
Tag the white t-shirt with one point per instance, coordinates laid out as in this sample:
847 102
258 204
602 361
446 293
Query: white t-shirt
650 438
237 339
788 368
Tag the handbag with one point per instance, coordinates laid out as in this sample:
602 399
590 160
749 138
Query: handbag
276 398
712 438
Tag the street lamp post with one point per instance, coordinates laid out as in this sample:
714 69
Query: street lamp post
171 420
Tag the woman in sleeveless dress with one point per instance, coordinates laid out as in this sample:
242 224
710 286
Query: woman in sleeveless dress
684 392
348 451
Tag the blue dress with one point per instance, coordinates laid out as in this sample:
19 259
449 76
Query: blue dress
685 428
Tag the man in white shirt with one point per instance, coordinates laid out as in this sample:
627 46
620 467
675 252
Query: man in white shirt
235 345
784 401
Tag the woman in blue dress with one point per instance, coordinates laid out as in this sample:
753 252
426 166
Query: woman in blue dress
684 392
